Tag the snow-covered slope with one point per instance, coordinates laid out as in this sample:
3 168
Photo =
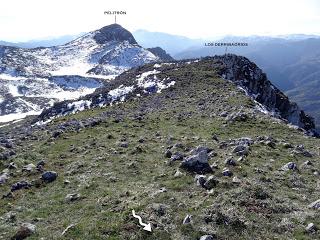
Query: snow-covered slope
31 79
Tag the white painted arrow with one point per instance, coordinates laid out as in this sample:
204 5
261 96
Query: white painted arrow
147 227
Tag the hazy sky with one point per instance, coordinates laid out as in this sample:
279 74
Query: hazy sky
31 19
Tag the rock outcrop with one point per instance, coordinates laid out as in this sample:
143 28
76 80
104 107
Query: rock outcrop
249 76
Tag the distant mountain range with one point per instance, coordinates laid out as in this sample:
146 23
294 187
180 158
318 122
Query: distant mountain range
42 43
173 44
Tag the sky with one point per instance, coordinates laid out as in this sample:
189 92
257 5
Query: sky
22 20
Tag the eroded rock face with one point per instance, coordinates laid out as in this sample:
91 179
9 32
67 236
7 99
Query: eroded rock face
249 76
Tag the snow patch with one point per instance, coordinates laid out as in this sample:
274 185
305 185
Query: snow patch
11 77
78 106
120 93
16 116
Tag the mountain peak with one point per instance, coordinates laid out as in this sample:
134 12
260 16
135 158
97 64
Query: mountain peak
113 32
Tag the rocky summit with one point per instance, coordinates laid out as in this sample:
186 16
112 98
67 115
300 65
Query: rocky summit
113 32
200 149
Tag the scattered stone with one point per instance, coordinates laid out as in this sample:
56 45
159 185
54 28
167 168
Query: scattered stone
214 165
177 157
236 180
49 176
306 165
7 143
230 161
25 230
57 133
41 163
12 165
270 143
211 183
3 178
161 190
226 172
311 228
159 208
300 149
244 141
7 195
289 166
214 137
223 114
200 180
29 168
20 185
315 205
237 116
178 174
197 163
200 149
6 155
287 145
241 150
124 144
66 182
207 237
168 154
178 145
72 197
187 219
212 154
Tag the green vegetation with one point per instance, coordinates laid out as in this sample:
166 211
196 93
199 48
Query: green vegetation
112 179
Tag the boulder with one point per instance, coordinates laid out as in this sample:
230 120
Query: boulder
49 176
197 163
25 231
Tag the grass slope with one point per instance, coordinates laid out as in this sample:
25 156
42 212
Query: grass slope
113 179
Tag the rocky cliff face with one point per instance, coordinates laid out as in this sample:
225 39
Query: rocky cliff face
248 75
